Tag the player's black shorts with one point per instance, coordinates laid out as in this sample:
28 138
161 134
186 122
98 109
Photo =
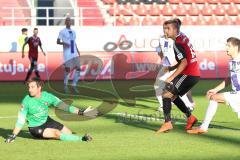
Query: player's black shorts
183 83
37 132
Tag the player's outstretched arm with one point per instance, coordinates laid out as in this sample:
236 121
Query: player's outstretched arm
89 112
19 124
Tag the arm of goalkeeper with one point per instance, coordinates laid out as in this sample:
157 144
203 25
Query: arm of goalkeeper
88 112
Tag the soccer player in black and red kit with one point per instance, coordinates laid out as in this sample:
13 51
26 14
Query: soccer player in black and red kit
33 43
187 74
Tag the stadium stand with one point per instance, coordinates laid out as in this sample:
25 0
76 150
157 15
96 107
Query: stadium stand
193 12
91 13
9 9
133 12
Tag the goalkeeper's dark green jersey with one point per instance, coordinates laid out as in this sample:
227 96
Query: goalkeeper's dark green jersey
35 110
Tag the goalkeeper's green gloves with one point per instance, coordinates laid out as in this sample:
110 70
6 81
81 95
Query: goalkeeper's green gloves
89 112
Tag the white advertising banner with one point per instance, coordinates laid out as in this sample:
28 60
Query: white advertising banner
136 38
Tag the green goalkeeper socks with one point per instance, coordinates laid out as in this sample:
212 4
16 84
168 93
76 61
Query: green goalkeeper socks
70 137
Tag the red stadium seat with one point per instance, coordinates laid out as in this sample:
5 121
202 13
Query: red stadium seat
114 9
193 10
141 9
187 20
109 1
200 20
237 20
226 20
226 1
213 20
173 1
167 10
154 10
207 10
127 10
236 1
232 10
199 1
134 21
121 21
180 10
212 1
147 20
219 10
160 20
187 1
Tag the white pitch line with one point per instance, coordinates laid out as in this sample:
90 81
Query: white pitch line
142 118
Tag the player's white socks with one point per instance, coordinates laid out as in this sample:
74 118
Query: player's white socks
66 78
211 110
75 78
187 102
160 101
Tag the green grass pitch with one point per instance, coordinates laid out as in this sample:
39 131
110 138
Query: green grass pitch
118 137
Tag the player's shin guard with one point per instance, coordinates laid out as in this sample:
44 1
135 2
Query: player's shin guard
70 137
211 110
76 77
180 104
167 106
66 77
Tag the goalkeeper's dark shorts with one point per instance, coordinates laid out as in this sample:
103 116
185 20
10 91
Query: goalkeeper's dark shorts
37 132
181 84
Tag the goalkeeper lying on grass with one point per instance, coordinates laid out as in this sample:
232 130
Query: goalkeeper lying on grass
35 111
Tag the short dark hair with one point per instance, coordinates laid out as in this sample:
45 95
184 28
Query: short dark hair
175 22
234 41
35 29
178 21
24 29
38 81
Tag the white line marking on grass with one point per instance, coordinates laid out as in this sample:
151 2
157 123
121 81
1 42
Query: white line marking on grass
136 117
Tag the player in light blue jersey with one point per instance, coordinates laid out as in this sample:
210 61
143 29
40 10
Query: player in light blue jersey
231 98
71 54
